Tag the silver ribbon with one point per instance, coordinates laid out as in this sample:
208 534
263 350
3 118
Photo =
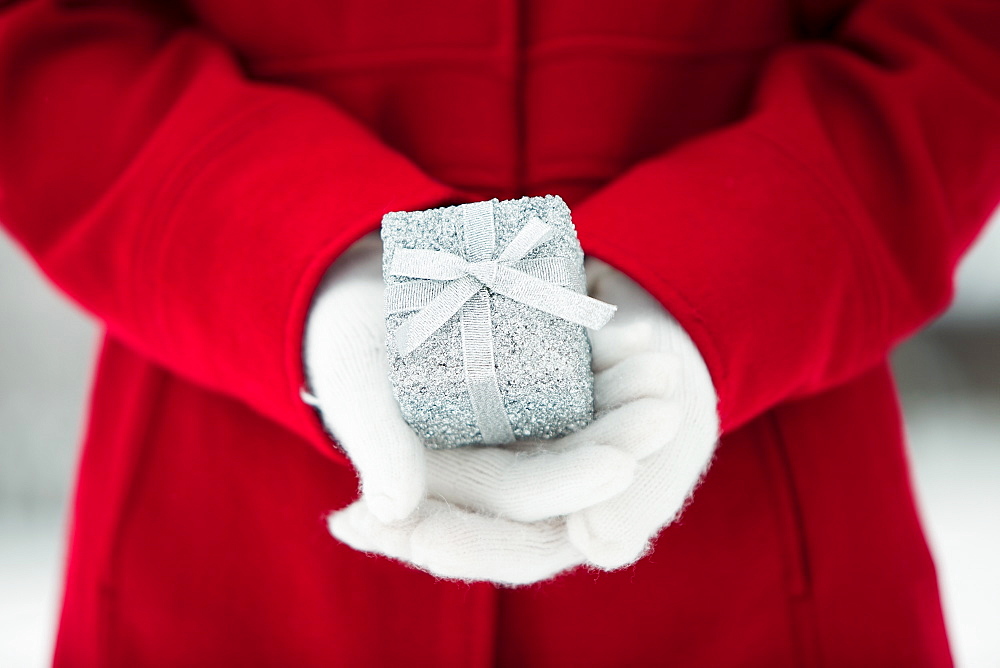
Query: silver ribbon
454 284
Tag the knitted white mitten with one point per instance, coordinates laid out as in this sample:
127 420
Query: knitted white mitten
347 367
655 406
644 353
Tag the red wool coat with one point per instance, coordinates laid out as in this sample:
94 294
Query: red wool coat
793 179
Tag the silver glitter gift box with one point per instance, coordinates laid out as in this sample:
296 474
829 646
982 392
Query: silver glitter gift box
486 310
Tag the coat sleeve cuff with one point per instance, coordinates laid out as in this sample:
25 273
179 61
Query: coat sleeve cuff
310 421
759 265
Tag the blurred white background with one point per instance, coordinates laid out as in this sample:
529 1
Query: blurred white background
949 376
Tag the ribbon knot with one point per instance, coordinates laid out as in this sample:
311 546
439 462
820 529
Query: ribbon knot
485 272
453 284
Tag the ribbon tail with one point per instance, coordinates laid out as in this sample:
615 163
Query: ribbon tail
480 371
559 270
553 299
418 328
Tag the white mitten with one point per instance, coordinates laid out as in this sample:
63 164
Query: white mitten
347 367
655 405
645 353
345 362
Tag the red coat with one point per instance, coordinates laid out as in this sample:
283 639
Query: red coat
794 180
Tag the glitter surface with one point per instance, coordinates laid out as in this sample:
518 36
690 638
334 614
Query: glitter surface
542 361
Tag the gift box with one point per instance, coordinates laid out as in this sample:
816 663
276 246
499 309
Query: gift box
486 311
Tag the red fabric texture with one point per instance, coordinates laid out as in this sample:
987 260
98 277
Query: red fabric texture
794 181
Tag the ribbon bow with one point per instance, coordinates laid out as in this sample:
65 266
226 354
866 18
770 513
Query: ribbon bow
456 284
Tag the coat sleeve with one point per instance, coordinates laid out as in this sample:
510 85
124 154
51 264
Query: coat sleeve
189 209
799 244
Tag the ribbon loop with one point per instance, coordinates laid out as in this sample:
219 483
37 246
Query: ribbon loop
430 264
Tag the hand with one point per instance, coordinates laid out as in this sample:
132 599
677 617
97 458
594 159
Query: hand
347 367
645 353
655 405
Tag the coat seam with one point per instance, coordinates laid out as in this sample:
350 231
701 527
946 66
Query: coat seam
465 56
108 582
792 523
